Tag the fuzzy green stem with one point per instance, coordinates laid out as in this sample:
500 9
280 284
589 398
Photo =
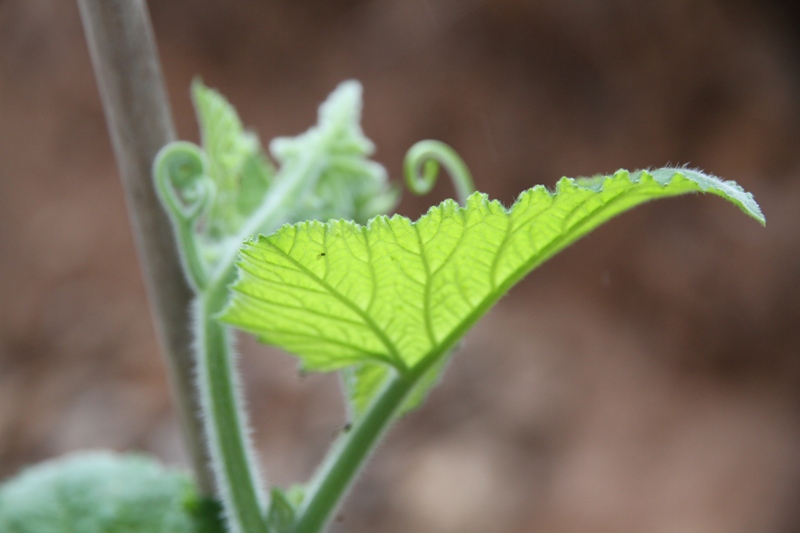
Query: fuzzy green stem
425 157
349 454
185 190
232 458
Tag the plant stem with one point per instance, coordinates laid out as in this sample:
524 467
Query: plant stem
226 418
350 453
128 73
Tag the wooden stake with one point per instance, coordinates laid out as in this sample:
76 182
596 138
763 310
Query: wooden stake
126 65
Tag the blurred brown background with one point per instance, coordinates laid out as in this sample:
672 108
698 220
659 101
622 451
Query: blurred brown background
644 380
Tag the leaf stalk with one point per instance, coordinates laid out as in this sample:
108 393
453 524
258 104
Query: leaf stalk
349 453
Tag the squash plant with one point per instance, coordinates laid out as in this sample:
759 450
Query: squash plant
296 248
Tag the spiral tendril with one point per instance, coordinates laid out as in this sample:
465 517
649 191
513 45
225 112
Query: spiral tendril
186 191
421 168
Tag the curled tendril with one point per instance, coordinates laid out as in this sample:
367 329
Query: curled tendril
421 168
182 181
186 191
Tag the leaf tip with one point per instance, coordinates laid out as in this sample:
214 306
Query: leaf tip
710 183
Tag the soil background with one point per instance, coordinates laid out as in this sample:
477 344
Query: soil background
647 379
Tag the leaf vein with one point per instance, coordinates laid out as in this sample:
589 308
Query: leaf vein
395 359
427 294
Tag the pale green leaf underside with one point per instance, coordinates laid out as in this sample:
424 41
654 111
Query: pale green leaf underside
401 292
101 492
331 160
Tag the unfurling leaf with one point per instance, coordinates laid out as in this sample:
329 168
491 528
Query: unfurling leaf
283 508
236 164
228 190
331 161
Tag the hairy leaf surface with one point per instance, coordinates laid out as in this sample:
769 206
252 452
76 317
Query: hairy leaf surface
331 161
100 492
403 293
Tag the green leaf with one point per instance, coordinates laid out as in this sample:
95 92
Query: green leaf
236 164
362 382
283 508
403 293
100 492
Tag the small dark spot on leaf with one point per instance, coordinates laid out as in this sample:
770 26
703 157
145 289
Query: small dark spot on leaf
320 255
